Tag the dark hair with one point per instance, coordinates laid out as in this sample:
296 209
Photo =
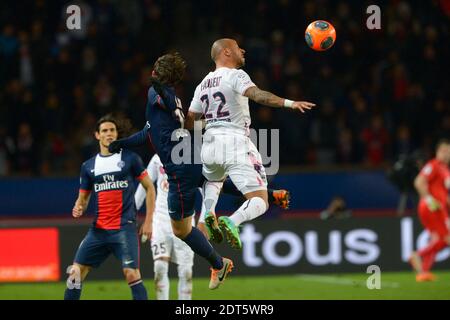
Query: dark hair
123 124
170 68
441 142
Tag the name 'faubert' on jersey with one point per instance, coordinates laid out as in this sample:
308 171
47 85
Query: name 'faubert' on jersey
220 98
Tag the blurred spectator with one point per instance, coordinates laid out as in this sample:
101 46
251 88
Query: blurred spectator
6 151
370 86
25 154
376 141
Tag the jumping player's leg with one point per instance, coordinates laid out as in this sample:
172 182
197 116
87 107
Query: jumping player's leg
249 176
254 207
211 191
195 239
278 197
183 184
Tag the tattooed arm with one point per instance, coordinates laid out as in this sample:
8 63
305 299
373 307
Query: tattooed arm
269 99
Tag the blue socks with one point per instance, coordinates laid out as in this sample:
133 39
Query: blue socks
72 294
138 290
200 245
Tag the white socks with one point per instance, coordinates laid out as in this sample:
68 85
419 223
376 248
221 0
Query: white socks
184 282
162 284
249 210
211 192
161 269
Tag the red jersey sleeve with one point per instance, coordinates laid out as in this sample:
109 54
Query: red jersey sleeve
429 171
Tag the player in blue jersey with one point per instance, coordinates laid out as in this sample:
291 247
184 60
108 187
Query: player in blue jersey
165 117
110 179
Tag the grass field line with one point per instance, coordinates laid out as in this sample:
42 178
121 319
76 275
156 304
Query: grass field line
343 281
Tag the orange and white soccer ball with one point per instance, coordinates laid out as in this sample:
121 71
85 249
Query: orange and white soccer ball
320 35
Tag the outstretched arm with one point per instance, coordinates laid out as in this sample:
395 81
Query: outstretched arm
135 140
269 99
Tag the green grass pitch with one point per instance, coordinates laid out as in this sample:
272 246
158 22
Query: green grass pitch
394 285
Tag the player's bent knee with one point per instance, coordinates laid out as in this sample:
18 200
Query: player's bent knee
181 229
131 274
263 204
74 279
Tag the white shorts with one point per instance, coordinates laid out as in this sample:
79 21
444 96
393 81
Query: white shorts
165 244
235 156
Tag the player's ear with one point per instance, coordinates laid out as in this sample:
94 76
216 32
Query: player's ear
97 135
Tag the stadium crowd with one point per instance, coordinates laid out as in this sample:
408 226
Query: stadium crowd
380 93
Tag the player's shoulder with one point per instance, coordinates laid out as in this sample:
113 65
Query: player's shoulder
433 163
239 73
429 167
89 163
125 153
155 159
130 156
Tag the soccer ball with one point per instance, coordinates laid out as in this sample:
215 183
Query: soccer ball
320 35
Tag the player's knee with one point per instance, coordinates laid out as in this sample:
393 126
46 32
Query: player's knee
74 278
185 272
131 274
180 231
262 203
161 268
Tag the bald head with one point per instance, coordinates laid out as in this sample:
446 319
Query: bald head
226 53
219 45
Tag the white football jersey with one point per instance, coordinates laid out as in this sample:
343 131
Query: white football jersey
157 174
220 98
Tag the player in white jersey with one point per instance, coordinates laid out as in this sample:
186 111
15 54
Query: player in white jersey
222 97
165 245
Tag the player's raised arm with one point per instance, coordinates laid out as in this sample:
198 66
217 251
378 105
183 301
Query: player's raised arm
135 140
269 99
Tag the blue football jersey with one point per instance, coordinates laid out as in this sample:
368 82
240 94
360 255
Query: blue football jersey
111 179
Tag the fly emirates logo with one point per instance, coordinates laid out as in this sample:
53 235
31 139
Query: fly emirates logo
110 184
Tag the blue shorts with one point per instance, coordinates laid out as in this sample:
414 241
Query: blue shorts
99 244
183 183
